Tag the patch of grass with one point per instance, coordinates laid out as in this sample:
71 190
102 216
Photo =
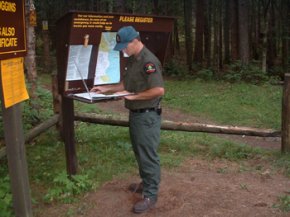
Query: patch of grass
225 103
282 161
283 203
65 188
5 197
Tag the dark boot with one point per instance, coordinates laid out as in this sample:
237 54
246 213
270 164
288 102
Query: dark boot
144 205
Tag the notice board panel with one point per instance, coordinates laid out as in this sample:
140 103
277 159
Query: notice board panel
85 46
12 29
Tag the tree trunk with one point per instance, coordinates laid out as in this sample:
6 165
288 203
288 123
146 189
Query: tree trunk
199 31
227 32
220 29
46 51
265 27
90 5
244 31
71 4
120 6
215 37
155 9
188 32
30 60
255 29
271 42
207 32
176 38
234 29
285 35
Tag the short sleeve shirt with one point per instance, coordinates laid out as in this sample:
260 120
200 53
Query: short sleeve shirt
142 73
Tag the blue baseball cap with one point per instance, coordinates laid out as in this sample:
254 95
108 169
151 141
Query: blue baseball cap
124 36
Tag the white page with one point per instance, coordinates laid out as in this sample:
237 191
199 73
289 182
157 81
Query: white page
80 55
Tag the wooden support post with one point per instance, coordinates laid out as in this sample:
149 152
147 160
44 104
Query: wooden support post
286 115
14 140
69 135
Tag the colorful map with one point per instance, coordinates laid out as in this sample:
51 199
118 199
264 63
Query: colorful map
108 63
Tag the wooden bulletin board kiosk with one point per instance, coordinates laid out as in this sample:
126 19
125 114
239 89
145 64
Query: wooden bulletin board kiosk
85 57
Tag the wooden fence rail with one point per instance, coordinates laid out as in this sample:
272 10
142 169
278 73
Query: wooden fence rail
35 131
180 126
166 125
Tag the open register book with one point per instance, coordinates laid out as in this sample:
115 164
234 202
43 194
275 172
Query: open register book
92 97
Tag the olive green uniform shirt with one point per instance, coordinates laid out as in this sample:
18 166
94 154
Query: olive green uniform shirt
142 73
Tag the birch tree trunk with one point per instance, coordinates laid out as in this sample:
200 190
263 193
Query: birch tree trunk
265 27
30 60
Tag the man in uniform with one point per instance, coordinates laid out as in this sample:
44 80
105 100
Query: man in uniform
143 78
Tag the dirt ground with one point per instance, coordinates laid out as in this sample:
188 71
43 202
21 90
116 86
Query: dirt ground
197 188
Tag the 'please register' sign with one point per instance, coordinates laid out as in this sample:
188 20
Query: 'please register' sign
12 29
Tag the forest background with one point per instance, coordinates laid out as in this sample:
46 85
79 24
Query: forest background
232 40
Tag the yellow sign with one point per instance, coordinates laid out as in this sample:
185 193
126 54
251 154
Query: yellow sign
32 18
44 25
13 82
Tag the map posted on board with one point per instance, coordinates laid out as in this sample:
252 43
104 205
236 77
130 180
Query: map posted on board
108 63
107 69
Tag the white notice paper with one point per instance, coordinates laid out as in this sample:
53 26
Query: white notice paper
78 55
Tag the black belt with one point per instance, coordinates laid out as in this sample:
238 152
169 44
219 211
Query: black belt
143 110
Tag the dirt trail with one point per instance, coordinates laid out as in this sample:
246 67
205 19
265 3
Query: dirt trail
196 189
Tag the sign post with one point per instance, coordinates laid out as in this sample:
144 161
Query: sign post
13 91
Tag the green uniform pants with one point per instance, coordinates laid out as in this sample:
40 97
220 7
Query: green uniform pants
145 138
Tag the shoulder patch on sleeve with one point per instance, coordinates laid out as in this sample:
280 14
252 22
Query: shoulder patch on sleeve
150 68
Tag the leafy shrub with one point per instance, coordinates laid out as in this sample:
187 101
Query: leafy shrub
175 68
65 188
205 74
251 73
277 72
5 198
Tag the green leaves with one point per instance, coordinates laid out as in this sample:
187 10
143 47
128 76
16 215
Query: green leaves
65 187
5 198
283 203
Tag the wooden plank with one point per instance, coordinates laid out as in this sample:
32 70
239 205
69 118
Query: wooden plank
286 115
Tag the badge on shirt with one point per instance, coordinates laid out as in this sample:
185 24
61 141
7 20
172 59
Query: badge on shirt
150 68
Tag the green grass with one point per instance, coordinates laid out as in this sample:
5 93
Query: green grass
225 103
104 152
